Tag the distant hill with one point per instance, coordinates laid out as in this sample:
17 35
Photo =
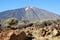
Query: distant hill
28 13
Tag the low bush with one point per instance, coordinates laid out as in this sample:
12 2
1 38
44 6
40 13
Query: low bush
11 21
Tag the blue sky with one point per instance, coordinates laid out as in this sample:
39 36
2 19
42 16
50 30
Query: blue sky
49 5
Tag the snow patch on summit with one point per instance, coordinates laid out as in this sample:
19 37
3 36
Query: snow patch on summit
27 8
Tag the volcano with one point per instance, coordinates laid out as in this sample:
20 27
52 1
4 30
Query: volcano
28 13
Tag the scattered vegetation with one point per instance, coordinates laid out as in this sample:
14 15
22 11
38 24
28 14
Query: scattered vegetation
47 22
44 23
12 22
46 28
25 21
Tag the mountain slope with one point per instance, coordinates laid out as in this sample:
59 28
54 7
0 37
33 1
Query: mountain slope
28 13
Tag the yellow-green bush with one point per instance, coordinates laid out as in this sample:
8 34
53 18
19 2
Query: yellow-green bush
11 21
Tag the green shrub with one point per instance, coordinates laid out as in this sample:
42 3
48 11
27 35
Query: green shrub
11 21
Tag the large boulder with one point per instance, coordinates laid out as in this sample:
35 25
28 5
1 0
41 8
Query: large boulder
12 35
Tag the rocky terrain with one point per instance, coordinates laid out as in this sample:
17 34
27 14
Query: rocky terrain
47 30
